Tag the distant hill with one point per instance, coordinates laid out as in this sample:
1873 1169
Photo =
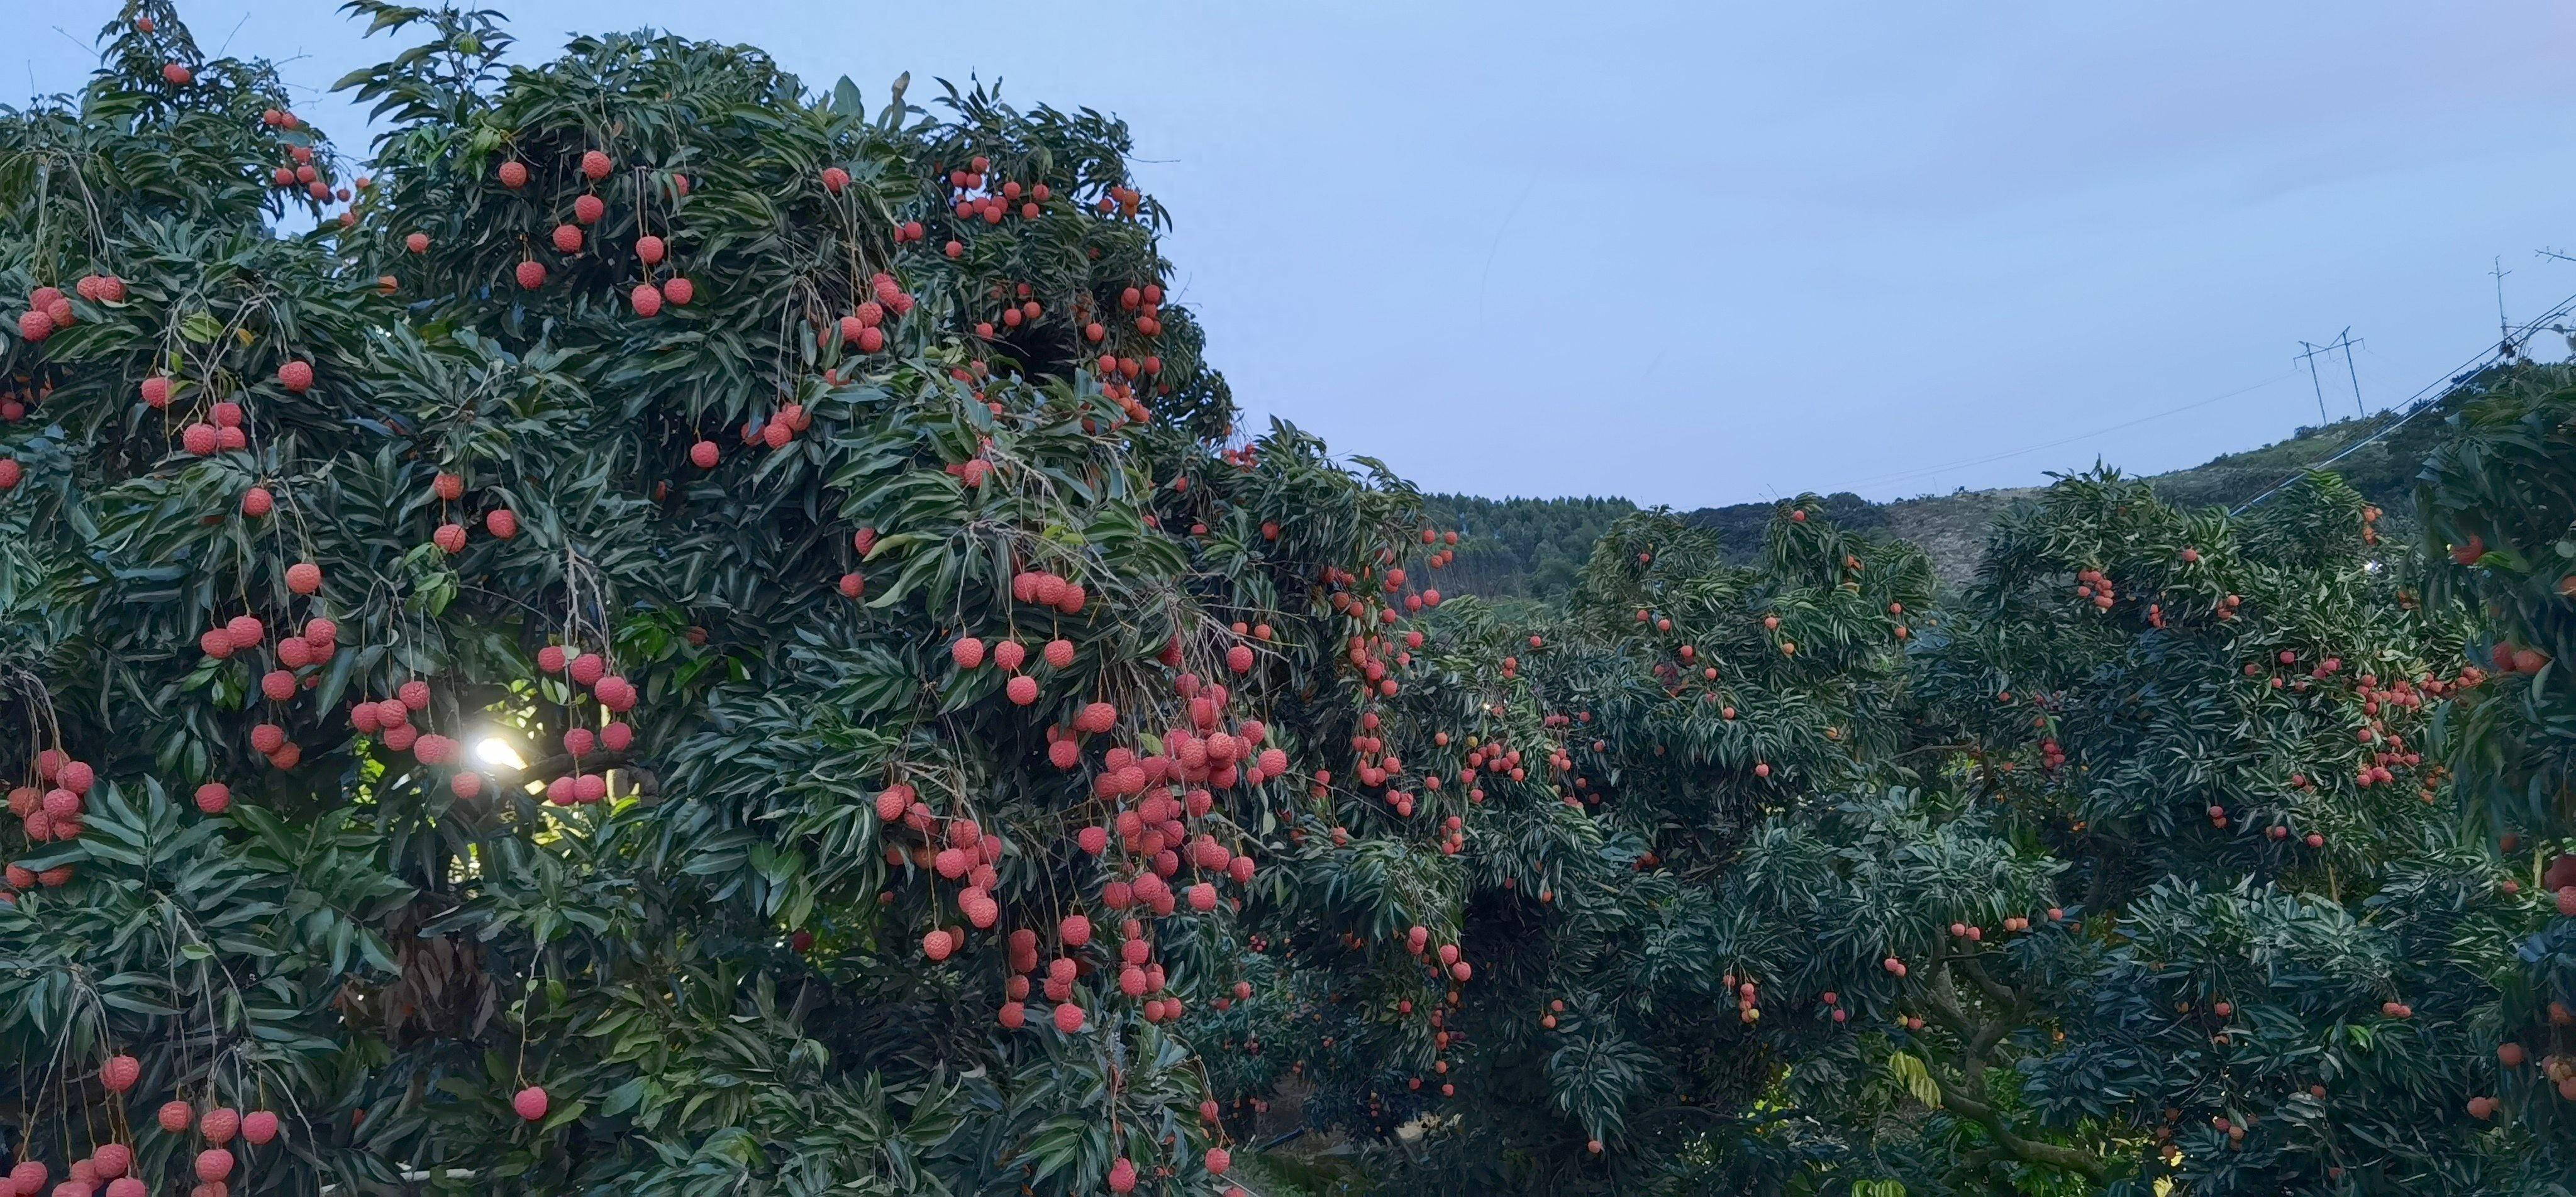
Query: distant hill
1520 548
1533 549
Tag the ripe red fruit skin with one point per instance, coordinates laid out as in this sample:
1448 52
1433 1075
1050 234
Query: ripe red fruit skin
500 522
156 391
296 376
588 209
892 802
417 243
679 291
703 455
304 577
257 502
214 1163
119 1073
530 1103
649 250
175 1116
214 798
567 238
968 652
177 74
1068 1018
531 275
514 175
834 179
595 165
648 300
615 693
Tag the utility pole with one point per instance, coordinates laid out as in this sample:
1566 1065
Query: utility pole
2504 327
2309 359
2343 341
2353 374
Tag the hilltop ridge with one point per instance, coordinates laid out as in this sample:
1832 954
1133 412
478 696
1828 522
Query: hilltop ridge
1533 549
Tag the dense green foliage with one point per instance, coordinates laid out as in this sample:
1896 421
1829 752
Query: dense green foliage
2131 871
702 636
554 580
2498 520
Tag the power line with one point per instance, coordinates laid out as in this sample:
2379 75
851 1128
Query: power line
1963 463
2426 399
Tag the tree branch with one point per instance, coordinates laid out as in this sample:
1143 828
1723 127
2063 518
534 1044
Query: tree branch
2028 1151
1968 1097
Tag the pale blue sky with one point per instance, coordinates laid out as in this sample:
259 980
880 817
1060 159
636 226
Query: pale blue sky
1706 253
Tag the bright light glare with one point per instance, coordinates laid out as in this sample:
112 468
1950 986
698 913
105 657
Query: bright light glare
496 751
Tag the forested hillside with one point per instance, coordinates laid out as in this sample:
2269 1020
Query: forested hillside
1527 542
1521 548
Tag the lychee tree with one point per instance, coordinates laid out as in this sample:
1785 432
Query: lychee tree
664 630
694 633
2163 890
1603 1036
2499 534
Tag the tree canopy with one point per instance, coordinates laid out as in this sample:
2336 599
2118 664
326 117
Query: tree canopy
665 630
